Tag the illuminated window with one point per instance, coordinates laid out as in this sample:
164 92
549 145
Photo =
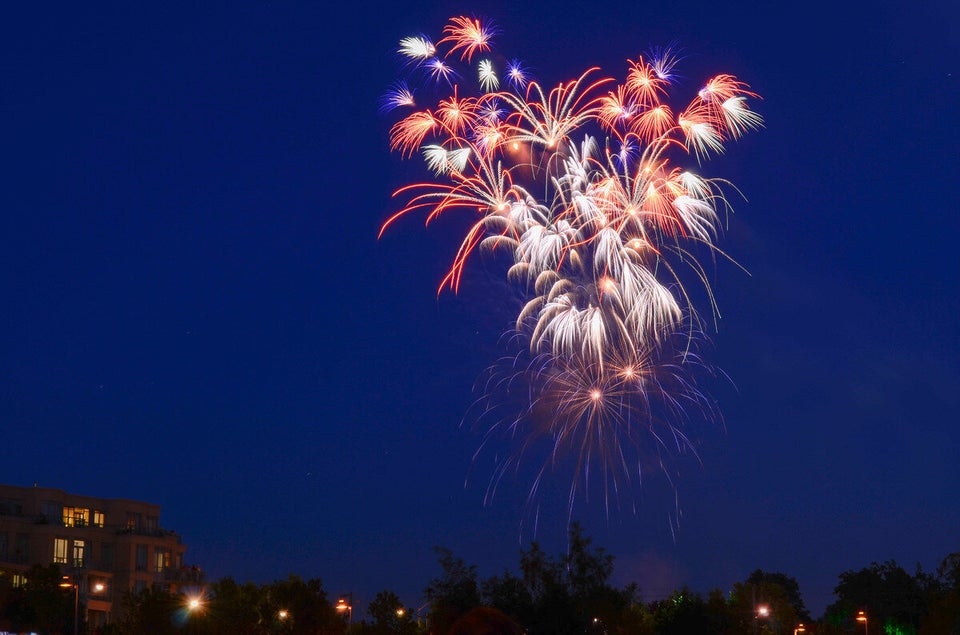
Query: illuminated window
162 559
76 517
78 549
60 550
97 518
19 580
134 521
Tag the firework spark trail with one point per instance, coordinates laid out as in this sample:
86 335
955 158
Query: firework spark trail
578 185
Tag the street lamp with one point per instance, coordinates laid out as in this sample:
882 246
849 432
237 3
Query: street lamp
282 614
799 629
67 582
344 605
862 617
761 610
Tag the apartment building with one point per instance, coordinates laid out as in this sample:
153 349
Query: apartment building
109 546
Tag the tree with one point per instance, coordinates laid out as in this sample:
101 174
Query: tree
389 616
508 594
943 599
683 612
892 598
305 604
778 614
41 604
453 593
790 586
234 608
151 611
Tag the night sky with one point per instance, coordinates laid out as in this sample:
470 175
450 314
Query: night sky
198 312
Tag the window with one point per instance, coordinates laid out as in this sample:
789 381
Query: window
51 511
141 557
22 549
78 548
76 516
60 550
153 523
97 518
19 580
162 559
134 521
10 507
106 555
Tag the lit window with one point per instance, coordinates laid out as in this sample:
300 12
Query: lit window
60 550
97 518
78 549
162 559
19 580
76 517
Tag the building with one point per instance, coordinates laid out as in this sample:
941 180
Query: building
109 546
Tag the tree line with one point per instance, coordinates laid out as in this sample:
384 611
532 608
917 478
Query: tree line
557 595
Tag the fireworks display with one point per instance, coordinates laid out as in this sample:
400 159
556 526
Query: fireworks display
584 187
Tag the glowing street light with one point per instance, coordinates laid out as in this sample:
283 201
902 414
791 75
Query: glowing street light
67 582
194 603
760 610
344 605
862 617
799 629
282 614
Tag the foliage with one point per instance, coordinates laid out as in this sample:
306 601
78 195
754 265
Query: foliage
454 593
790 587
389 615
41 604
569 593
892 599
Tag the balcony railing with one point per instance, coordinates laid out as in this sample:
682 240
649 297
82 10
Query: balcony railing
191 575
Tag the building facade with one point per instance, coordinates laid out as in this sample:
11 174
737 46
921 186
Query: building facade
108 546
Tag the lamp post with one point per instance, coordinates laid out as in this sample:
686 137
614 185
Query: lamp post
761 610
420 610
71 581
862 617
344 605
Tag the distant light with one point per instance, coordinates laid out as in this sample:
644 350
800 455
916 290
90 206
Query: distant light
99 587
282 614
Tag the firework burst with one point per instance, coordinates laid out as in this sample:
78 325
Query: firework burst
582 187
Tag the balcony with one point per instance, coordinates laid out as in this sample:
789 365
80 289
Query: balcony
183 575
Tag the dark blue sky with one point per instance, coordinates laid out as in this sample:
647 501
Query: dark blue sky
197 312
